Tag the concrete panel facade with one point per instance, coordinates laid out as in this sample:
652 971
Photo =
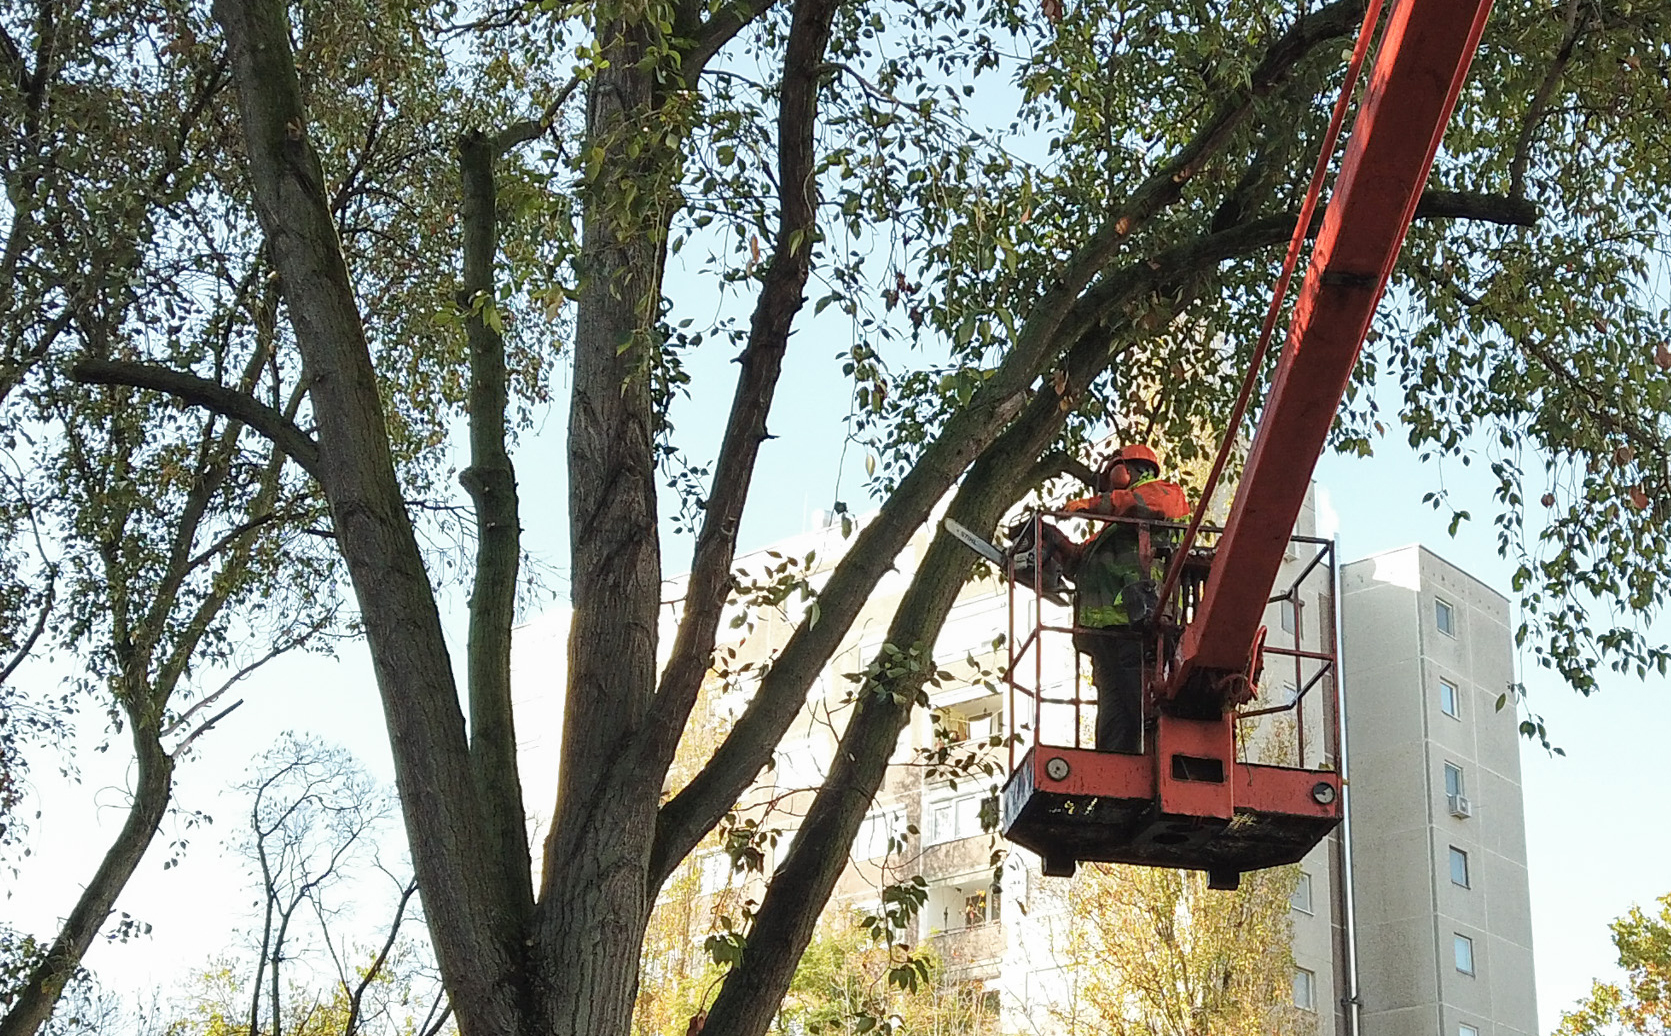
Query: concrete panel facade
1440 857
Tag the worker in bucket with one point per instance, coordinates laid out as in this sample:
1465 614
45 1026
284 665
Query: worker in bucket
1115 601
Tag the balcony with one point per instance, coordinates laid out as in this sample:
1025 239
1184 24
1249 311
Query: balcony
971 953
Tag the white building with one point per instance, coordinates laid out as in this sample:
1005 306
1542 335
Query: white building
1442 933
1439 836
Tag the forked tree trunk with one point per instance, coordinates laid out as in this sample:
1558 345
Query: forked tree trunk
595 894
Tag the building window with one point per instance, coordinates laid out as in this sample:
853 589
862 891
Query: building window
954 727
1450 699
1305 990
1464 1029
1456 792
1464 954
1301 899
982 906
952 906
958 817
882 832
1290 616
1459 867
1444 617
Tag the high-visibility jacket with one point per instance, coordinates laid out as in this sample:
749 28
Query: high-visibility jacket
1108 561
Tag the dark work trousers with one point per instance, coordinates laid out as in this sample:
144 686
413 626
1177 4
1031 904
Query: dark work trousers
1117 672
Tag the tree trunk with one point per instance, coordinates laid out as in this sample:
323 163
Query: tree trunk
153 787
473 915
595 896
491 482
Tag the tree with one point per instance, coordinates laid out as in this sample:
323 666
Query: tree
1642 1003
1160 954
846 983
1095 255
313 833
84 1010
156 555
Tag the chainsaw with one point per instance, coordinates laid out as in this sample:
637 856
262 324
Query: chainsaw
1022 559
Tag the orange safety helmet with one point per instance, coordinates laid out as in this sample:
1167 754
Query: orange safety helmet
1136 453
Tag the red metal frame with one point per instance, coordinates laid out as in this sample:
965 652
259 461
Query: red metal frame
1418 74
1028 650
1189 801
1178 803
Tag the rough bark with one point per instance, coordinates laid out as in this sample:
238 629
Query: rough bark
470 911
594 897
228 402
761 362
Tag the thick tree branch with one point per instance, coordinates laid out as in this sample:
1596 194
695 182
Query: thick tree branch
212 396
32 1005
694 811
965 435
12 63
491 481
804 880
1057 463
1508 210
761 362
519 133
594 902
1166 185
477 942
615 547
713 34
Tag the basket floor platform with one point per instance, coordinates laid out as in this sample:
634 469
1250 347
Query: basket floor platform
1076 804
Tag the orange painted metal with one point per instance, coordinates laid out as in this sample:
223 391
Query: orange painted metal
1418 73
1184 744
1279 790
1075 804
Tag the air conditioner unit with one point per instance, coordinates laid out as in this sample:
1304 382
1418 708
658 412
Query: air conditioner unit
1460 806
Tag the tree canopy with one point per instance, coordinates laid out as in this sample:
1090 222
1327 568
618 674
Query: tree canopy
275 270
1641 1004
1160 953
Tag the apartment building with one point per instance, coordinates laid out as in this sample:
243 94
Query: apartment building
1442 934
1443 910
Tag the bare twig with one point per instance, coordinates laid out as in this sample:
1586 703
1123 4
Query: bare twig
208 725
352 1024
